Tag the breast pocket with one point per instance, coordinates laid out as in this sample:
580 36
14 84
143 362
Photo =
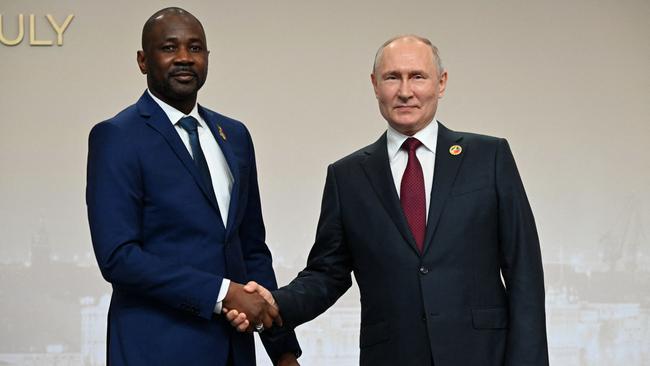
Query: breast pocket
471 186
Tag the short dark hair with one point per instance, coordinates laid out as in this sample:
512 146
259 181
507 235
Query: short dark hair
169 10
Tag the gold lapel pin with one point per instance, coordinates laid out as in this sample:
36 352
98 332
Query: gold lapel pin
221 133
455 150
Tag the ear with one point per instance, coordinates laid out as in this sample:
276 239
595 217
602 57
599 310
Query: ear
373 79
442 84
142 64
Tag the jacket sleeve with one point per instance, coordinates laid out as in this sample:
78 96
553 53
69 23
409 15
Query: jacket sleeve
327 274
114 198
521 266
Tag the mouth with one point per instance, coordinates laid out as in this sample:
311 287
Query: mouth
183 76
405 107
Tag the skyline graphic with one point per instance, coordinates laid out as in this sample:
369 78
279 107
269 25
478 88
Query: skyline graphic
598 306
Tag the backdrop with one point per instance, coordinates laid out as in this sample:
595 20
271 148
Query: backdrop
567 82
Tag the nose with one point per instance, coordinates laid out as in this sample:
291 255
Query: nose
404 93
183 56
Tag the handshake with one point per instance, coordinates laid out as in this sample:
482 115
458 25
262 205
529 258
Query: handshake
250 307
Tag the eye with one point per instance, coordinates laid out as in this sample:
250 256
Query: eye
168 48
196 48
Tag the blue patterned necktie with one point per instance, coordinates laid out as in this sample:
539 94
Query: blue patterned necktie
190 125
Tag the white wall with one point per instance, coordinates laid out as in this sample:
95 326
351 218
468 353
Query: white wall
567 82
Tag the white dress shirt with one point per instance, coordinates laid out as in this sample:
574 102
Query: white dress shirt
219 171
426 154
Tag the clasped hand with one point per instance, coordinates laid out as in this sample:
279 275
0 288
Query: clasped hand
250 305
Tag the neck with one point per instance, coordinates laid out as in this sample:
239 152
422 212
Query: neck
185 105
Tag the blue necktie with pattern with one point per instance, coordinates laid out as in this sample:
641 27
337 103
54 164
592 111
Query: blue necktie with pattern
190 125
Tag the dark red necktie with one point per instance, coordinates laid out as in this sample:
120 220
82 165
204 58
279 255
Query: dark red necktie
412 195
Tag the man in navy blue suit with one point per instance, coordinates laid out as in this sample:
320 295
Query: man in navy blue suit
175 216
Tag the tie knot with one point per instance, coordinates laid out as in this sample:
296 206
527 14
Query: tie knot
411 144
189 123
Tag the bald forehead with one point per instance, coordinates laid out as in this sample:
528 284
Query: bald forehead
405 41
408 44
404 49
165 18
402 44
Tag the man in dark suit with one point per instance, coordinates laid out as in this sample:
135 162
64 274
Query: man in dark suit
174 212
429 220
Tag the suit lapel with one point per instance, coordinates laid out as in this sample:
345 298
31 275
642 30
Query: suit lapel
445 171
226 147
157 119
377 168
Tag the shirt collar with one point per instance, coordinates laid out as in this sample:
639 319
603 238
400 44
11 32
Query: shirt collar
428 136
174 114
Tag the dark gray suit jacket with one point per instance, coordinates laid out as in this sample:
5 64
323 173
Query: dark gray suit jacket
448 306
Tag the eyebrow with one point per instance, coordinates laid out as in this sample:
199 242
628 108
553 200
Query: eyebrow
175 39
410 72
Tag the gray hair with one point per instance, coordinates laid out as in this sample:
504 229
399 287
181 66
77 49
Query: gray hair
434 50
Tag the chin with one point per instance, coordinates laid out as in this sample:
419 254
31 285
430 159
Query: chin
182 93
406 123
406 119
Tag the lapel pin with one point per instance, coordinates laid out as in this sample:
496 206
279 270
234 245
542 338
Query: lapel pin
221 133
455 150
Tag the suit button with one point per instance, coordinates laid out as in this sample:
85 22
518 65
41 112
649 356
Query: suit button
424 270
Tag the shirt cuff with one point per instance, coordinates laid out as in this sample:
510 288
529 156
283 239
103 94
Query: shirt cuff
222 295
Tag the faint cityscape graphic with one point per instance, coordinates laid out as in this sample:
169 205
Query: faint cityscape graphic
598 306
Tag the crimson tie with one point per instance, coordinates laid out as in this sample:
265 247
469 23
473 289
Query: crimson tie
412 196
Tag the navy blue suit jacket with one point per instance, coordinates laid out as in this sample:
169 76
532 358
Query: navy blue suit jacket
448 305
160 241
